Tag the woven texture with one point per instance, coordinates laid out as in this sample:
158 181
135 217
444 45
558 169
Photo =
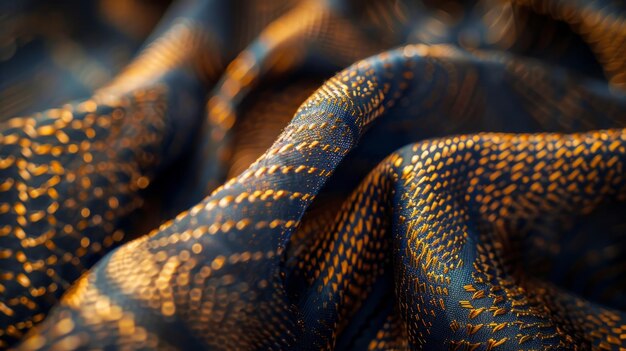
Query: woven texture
296 174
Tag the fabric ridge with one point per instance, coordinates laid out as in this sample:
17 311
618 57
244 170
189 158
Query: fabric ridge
313 175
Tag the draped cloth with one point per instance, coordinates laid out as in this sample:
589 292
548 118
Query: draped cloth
304 174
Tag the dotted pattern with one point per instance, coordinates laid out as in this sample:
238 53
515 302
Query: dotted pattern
72 177
286 44
438 221
126 124
69 176
459 237
271 112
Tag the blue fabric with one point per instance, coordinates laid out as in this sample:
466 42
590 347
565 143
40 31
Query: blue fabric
316 175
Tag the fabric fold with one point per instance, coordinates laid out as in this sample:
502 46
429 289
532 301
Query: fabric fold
216 275
463 188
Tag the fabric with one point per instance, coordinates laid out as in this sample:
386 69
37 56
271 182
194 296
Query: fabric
340 175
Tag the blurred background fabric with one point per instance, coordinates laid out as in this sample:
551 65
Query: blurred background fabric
313 174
